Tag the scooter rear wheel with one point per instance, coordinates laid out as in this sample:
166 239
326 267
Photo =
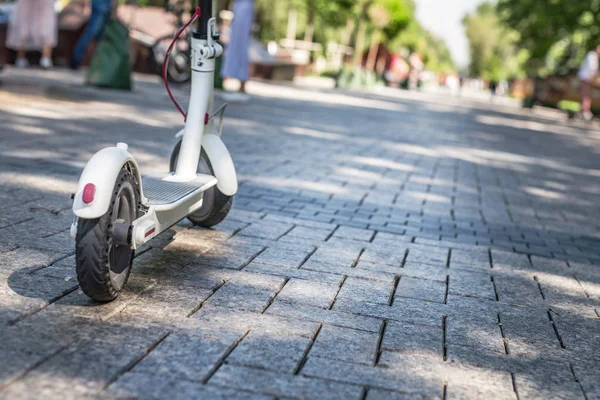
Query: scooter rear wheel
102 265
215 205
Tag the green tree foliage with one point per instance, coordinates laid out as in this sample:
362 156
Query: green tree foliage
389 22
557 33
435 53
334 13
400 12
493 45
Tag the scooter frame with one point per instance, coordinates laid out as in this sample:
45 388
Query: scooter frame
101 172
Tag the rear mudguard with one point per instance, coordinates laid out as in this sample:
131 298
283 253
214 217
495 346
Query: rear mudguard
102 171
221 161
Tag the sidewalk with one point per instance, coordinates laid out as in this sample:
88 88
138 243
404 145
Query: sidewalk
382 246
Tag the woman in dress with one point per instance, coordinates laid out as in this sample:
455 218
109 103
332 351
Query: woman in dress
236 64
33 27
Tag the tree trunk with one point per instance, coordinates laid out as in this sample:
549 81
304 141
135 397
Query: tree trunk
310 24
380 66
292 22
348 31
308 35
361 33
373 51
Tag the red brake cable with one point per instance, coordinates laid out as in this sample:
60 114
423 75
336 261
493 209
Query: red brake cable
166 60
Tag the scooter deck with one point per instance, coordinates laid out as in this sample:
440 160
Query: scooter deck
161 192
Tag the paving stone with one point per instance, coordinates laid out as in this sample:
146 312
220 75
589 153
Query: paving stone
28 259
430 255
548 380
293 273
150 386
471 283
347 232
509 261
275 384
385 268
266 229
421 289
230 256
247 291
167 302
424 271
313 233
473 258
383 238
345 344
348 271
415 376
331 317
413 339
580 334
549 265
311 293
528 331
381 394
367 291
334 255
227 319
80 370
281 353
384 255
406 310
282 257
589 381
299 222
184 357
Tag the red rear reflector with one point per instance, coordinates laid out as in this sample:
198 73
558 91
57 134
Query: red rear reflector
89 191
206 119
150 232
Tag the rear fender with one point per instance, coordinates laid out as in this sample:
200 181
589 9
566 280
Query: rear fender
102 171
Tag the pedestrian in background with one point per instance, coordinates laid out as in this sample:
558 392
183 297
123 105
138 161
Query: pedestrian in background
587 74
93 30
416 66
236 64
33 27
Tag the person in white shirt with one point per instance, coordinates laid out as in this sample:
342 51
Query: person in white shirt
587 74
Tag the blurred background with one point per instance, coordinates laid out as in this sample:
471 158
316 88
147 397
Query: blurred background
515 48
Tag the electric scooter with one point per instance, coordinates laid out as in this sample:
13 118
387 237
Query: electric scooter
118 210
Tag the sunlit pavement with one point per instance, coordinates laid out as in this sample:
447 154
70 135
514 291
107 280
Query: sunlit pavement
382 246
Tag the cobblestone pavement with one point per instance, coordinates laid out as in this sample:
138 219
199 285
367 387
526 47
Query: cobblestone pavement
389 246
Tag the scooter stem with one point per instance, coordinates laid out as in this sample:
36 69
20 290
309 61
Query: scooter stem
204 53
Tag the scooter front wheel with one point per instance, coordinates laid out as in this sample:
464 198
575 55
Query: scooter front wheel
215 205
102 263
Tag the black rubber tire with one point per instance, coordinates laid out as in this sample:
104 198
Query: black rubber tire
215 205
103 268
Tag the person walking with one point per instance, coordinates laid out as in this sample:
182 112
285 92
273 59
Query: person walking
236 64
416 66
587 74
33 27
93 30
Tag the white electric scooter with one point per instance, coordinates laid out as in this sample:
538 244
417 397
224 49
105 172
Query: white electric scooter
117 209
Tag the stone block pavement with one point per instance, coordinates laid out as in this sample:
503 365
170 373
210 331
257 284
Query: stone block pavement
381 246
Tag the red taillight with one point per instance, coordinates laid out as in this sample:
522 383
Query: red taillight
206 119
150 232
89 191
